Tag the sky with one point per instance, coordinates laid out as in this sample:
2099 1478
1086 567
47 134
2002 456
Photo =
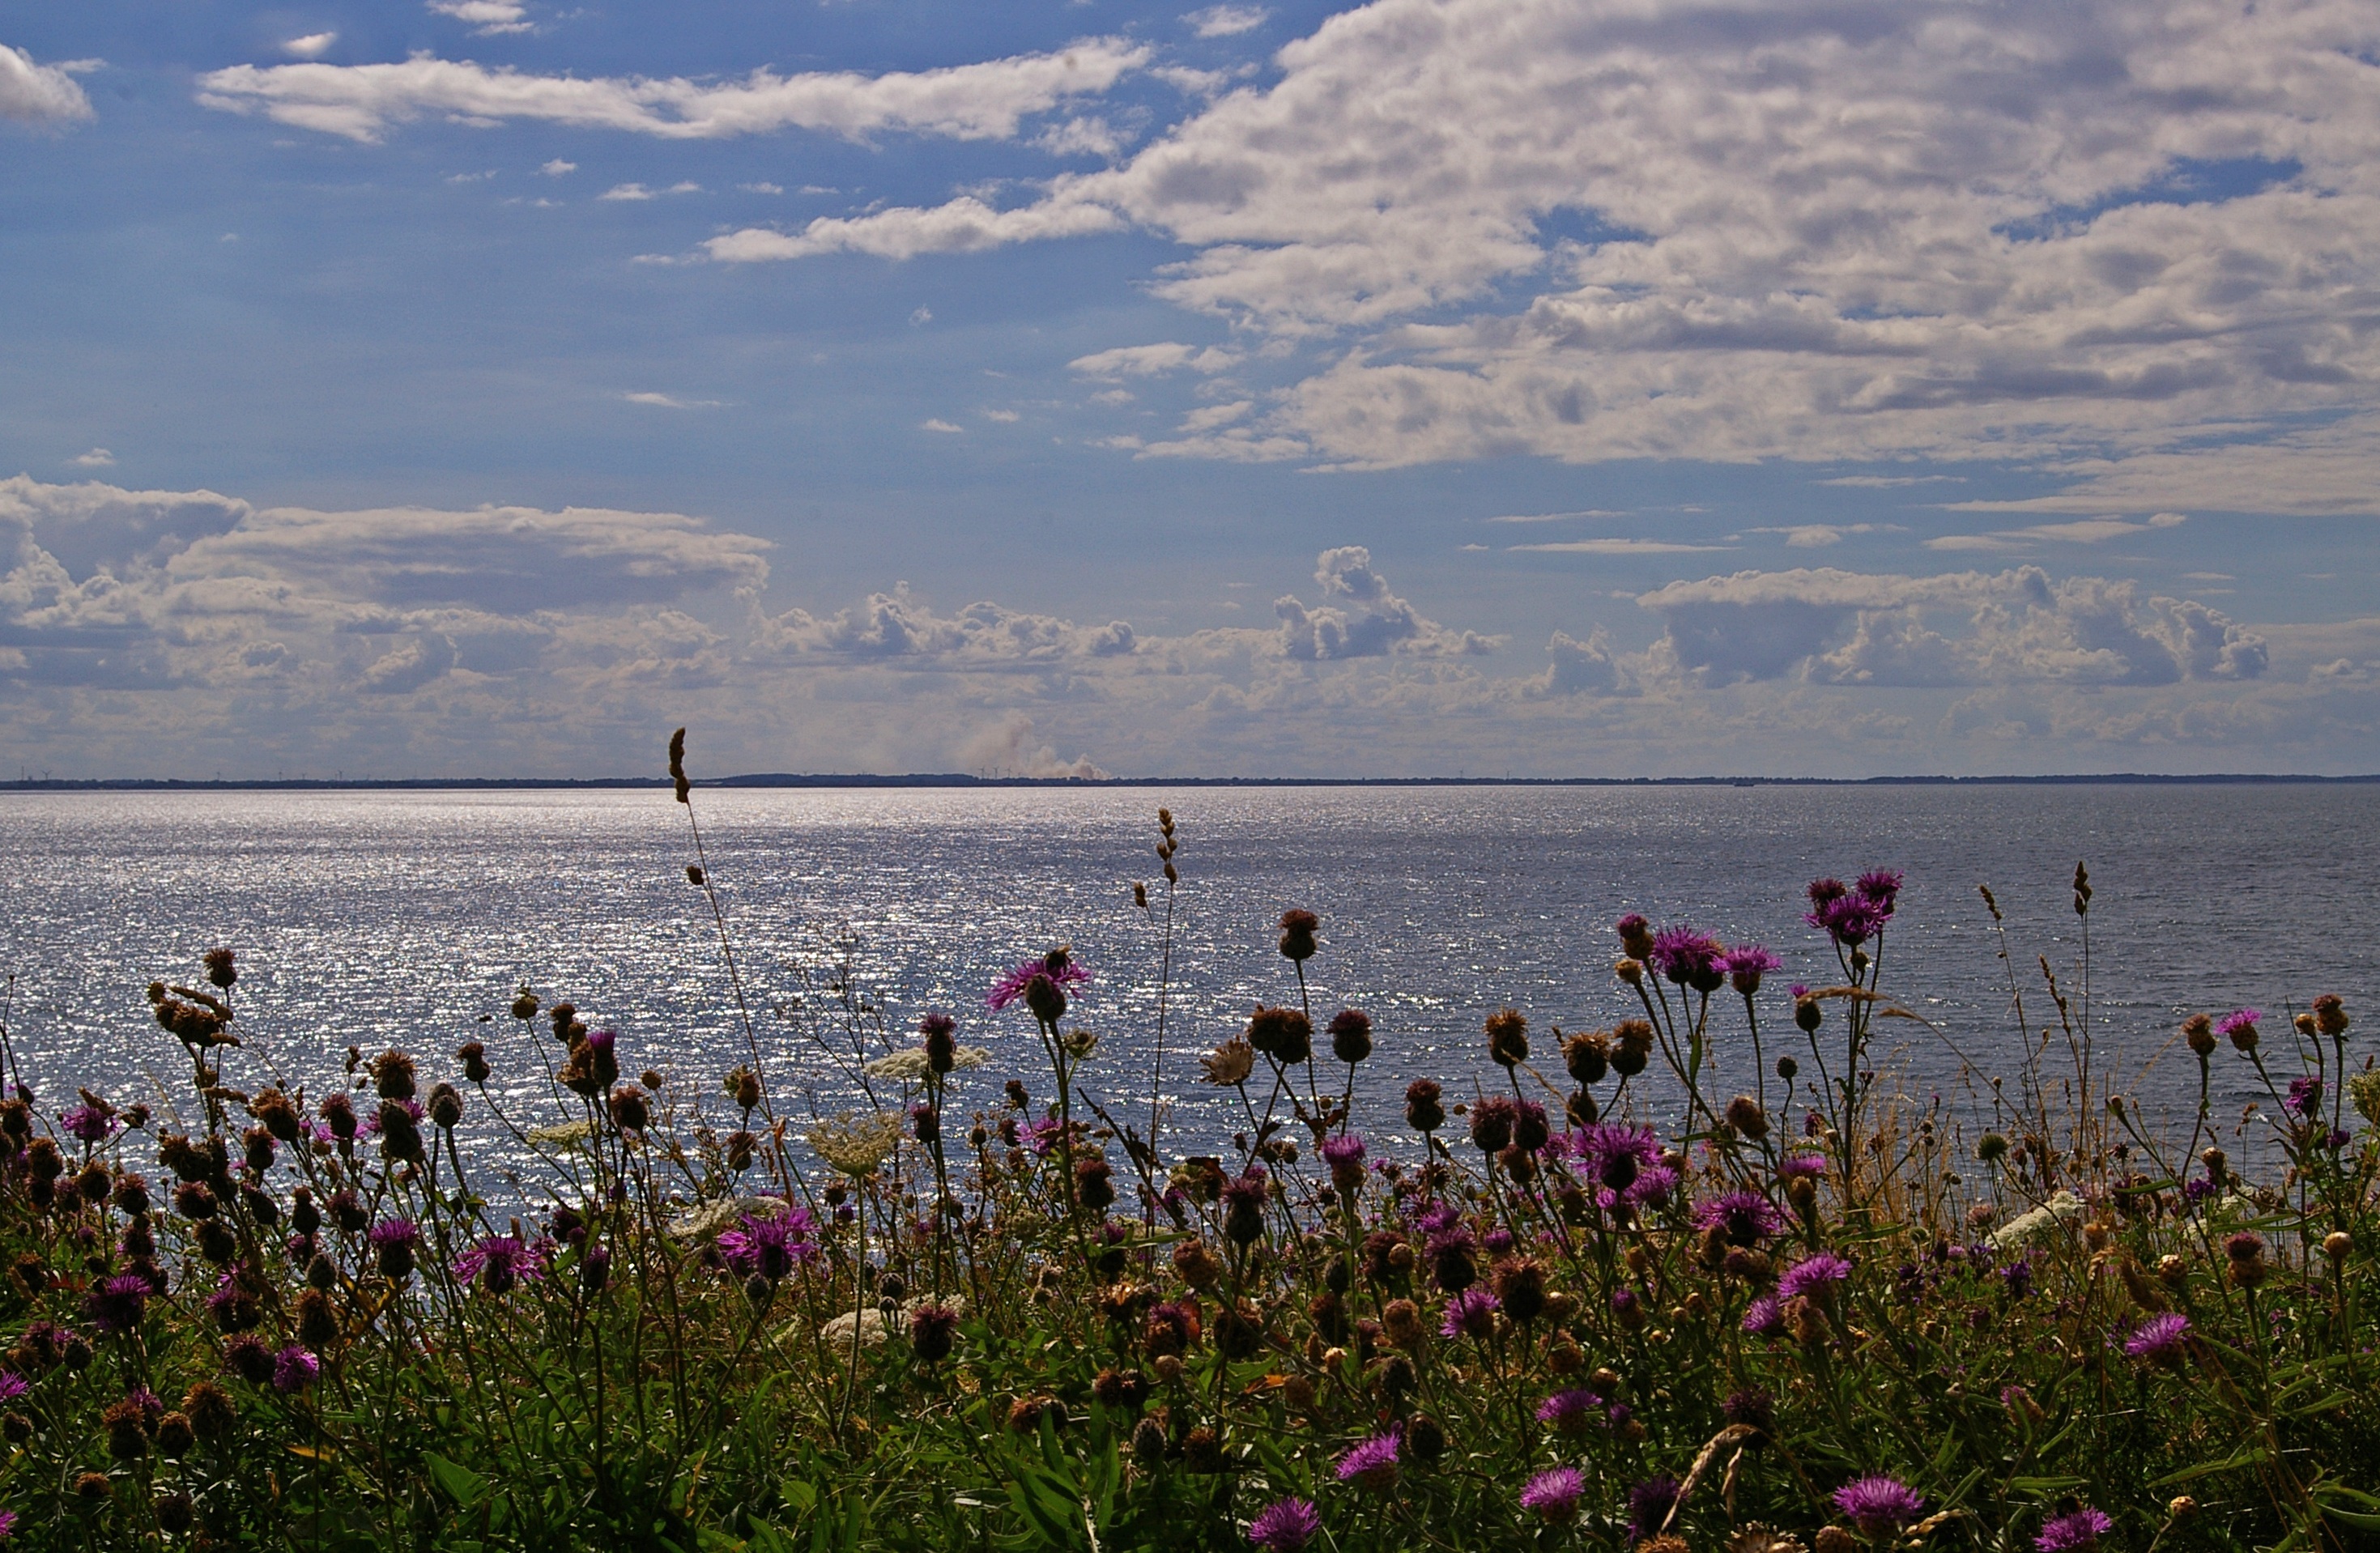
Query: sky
1424 387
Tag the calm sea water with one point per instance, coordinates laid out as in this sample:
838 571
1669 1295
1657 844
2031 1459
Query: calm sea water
373 919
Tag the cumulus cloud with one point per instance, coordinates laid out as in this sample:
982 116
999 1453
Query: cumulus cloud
1141 361
1359 618
966 102
1578 668
486 18
2084 532
1853 230
32 93
963 226
901 629
313 45
1818 536
2013 627
1226 22
97 458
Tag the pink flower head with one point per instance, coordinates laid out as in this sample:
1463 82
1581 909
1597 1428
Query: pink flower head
1849 919
1765 1316
1572 1410
768 1246
1744 1217
1746 963
1796 1166
2159 1339
1015 984
1815 1276
498 1262
294 1369
1689 958
1285 1525
1470 1314
1554 1495
1879 1504
2069 1533
1372 1464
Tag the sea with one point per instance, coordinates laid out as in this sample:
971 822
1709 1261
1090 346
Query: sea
368 919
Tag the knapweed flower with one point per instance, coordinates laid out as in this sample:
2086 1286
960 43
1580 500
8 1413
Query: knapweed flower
1372 1464
1648 1506
8 1525
117 1304
2065 1533
1615 1154
1285 1525
93 1122
1570 1412
1765 1316
1849 919
394 1240
12 1385
1799 1167
2306 1096
1881 886
1689 958
1470 1314
770 1247
1877 1505
1554 1495
294 1369
1056 971
1744 1217
1343 1153
498 1262
2159 1339
1812 1276
1746 963
2238 1027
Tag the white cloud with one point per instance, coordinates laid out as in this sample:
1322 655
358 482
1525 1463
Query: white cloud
635 191
761 187
486 18
922 315
1361 618
558 167
1143 362
32 93
1227 21
1618 547
1864 230
2084 532
1004 416
2013 627
670 401
97 458
1556 516
313 45
965 224
1082 137
966 102
943 426
1816 536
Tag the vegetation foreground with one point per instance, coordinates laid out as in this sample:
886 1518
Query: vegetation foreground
970 1316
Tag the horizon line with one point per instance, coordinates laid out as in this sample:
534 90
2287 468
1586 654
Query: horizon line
963 779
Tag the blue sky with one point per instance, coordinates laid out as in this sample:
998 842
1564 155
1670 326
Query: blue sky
478 387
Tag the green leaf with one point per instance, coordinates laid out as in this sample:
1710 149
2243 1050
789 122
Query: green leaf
459 1483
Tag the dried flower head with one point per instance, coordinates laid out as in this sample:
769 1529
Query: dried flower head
857 1142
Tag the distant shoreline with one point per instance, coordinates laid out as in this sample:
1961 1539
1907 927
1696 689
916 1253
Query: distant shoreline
960 778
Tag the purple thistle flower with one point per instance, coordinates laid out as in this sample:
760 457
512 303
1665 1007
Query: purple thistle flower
2238 1019
2159 1339
1851 920
1746 963
1765 1316
1042 1136
117 1304
1648 1506
1285 1525
1880 885
2306 1096
294 1369
1689 958
1571 1411
1372 1464
1470 1314
770 1247
2067 1533
1652 1188
1615 1153
12 1385
1012 987
1879 1504
89 1123
1553 1494
1794 1166
1744 1217
1815 1275
2198 1189
1343 1149
498 1262
8 1525
1824 891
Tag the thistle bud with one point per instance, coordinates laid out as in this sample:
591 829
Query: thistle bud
1297 940
1350 1035
446 1107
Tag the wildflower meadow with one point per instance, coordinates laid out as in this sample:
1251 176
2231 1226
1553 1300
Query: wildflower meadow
1586 1302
